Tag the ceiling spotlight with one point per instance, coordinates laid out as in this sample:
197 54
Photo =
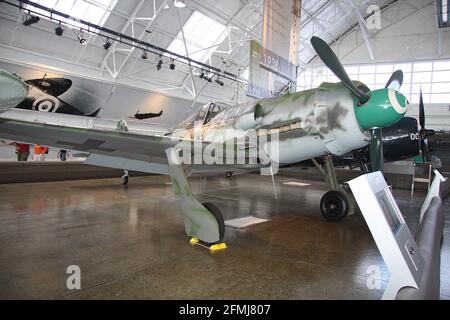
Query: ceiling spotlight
172 66
144 55
202 75
59 30
158 66
82 39
107 44
220 82
31 20
179 4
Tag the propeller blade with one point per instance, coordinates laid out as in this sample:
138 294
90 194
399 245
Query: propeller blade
376 150
423 149
328 57
421 112
395 81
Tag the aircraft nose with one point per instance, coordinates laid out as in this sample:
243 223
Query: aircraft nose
384 108
12 91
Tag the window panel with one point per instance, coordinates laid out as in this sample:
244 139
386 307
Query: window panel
47 3
407 77
64 6
441 87
441 98
383 77
93 14
441 76
423 66
441 65
200 32
385 68
426 88
351 70
367 69
435 84
367 78
332 79
405 67
93 11
422 77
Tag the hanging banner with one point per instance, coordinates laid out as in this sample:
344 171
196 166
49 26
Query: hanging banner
280 35
259 80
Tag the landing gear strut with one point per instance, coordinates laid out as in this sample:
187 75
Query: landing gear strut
125 177
335 204
203 222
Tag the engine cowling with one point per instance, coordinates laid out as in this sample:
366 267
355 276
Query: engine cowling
401 141
12 91
251 119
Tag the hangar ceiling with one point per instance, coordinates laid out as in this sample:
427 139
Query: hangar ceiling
216 32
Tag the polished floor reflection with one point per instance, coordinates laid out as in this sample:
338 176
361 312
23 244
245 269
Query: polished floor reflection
130 243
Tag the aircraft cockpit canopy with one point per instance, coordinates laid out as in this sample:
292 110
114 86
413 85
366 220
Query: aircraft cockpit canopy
202 116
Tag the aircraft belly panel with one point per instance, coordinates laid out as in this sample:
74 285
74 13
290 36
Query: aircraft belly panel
299 149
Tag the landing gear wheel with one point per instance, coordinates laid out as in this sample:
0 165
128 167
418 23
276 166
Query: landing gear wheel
228 174
334 206
216 213
124 180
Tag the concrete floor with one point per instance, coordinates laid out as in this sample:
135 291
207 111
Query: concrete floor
130 242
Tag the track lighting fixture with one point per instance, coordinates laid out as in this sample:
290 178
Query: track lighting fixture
59 30
81 38
144 55
107 44
219 82
159 65
31 20
172 65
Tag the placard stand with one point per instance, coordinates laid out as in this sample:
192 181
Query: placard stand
390 232
432 192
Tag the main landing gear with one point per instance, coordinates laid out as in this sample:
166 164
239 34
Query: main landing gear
335 205
125 177
203 222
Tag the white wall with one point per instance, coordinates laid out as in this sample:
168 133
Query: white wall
407 34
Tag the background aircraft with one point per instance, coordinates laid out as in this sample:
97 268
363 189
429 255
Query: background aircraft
43 95
142 116
333 119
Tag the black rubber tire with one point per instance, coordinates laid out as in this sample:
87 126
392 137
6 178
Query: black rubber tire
219 218
334 206
228 174
125 180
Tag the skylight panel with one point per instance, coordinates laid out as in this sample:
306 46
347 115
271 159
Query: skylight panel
202 34
93 11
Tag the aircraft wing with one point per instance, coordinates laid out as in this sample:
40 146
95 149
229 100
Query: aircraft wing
110 144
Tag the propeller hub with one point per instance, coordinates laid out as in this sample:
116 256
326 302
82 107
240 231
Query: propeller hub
384 108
